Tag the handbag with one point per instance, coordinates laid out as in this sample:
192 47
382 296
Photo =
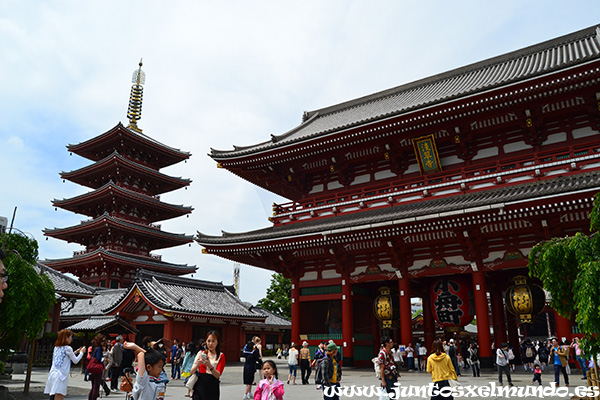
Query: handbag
94 366
453 382
126 383
191 381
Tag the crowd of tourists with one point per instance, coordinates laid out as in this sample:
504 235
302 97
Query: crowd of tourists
200 365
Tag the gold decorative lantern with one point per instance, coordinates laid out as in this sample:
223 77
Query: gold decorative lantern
524 300
384 309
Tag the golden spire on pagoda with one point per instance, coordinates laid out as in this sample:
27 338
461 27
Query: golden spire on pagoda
134 111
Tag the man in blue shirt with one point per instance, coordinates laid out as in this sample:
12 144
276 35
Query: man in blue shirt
173 362
559 357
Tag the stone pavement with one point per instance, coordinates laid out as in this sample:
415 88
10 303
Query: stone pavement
233 389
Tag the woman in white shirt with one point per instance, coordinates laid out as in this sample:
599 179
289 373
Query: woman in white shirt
292 363
61 364
397 355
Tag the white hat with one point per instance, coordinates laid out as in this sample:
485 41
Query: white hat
304 343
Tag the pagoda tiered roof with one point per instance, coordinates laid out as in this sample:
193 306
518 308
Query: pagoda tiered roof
87 260
109 197
145 150
106 226
116 167
519 66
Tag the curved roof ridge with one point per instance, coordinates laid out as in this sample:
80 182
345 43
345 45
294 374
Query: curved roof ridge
150 139
120 126
306 120
453 73
123 222
170 279
127 161
122 189
530 62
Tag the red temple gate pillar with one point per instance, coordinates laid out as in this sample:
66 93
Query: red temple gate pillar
483 320
295 310
406 335
513 334
563 327
347 321
498 315
428 322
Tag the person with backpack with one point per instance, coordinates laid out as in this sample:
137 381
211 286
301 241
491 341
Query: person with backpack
453 356
473 352
330 372
250 353
388 372
529 354
511 359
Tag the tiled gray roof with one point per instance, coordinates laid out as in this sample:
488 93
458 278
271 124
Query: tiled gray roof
133 134
554 55
191 296
95 324
105 298
128 258
273 320
64 285
92 195
130 164
127 224
554 186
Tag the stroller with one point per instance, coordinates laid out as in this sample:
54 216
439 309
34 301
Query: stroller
127 382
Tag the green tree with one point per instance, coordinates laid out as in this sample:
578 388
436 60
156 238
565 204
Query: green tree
278 299
27 301
569 268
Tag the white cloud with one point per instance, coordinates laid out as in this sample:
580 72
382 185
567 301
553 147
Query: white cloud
219 74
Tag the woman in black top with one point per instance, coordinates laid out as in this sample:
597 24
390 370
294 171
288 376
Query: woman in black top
250 352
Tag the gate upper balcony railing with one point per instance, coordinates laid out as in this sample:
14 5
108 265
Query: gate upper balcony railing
469 178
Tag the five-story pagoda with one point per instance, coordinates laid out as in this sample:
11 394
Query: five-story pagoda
124 204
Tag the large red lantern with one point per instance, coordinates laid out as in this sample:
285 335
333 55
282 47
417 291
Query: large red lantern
452 301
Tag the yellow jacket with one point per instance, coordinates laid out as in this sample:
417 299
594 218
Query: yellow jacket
440 367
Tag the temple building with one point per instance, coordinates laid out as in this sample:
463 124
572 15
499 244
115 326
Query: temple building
166 306
436 189
123 205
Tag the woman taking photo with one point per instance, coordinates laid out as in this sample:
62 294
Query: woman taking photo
209 366
96 379
441 369
61 364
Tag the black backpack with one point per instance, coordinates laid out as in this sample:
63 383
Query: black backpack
452 351
475 355
319 378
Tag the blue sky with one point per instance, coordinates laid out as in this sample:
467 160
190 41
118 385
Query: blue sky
219 74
